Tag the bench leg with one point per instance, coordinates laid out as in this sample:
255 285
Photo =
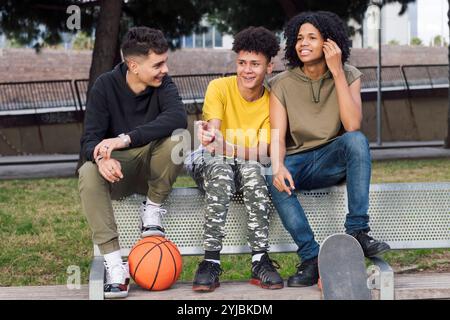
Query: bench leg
381 277
96 279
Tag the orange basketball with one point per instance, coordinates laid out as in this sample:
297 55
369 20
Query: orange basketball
155 263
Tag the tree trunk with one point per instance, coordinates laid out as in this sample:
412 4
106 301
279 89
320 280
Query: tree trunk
106 46
106 39
447 139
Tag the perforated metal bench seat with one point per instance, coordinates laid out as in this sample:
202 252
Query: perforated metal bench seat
406 215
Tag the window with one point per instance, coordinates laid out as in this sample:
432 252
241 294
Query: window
188 41
209 38
218 42
199 40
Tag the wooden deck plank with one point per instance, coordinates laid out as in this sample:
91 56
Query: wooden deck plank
44 293
407 286
422 286
229 291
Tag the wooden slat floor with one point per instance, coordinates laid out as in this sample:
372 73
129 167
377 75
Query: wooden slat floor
407 286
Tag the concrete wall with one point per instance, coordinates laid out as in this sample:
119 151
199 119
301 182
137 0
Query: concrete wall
423 119
45 139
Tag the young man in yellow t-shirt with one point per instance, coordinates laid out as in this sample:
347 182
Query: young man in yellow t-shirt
235 137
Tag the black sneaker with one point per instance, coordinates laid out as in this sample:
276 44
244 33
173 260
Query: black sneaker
370 246
207 276
307 274
265 274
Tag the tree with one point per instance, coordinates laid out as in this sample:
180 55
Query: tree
447 139
106 44
234 15
437 41
416 41
43 21
24 20
82 41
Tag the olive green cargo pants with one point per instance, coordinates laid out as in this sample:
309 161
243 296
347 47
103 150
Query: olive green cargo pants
147 170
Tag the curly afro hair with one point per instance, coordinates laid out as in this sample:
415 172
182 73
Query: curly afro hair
329 25
257 39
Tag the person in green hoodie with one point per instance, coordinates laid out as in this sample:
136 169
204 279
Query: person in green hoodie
316 112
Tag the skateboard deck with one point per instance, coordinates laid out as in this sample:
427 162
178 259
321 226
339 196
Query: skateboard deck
342 269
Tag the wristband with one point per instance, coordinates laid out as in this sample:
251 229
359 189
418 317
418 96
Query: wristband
126 139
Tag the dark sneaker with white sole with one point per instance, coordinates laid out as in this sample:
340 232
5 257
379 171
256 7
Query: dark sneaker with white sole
265 274
370 246
117 281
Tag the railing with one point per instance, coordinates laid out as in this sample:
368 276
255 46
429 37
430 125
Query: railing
70 95
42 96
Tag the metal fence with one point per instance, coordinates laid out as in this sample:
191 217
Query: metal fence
38 95
70 95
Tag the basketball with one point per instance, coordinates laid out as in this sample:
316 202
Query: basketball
155 263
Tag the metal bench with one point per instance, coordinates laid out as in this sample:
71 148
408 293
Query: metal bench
406 215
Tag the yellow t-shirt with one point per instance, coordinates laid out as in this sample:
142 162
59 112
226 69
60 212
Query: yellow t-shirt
243 123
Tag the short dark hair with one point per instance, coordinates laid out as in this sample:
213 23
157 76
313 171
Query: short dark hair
140 41
257 39
329 25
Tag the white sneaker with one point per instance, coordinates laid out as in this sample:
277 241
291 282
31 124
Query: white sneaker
117 281
151 224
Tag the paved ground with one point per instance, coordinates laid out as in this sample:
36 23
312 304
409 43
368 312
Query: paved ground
407 286
41 166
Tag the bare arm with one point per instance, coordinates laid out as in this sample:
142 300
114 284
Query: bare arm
349 100
212 139
349 97
278 124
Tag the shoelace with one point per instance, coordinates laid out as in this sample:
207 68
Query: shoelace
154 218
161 211
115 274
364 237
300 268
269 264
207 266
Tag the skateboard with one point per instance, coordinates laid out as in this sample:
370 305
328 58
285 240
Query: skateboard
342 269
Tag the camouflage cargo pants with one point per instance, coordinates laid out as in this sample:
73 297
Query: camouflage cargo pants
220 178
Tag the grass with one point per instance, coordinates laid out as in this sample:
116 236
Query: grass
43 231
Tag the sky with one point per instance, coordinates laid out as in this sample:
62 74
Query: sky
432 19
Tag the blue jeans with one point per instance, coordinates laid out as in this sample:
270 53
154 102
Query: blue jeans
345 158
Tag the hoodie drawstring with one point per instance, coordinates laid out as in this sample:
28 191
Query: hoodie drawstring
314 99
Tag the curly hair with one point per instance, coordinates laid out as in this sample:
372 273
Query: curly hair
138 41
257 39
329 25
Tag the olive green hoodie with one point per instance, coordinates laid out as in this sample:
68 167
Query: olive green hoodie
311 105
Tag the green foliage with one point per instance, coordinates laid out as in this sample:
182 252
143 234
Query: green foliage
234 15
393 42
43 21
415 41
83 41
439 41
